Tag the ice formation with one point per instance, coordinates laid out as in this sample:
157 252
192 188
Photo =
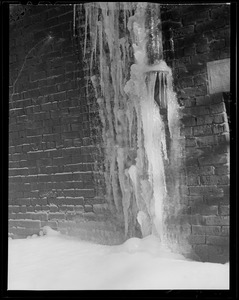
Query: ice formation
138 111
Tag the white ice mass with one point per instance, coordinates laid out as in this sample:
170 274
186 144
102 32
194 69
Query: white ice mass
133 130
57 262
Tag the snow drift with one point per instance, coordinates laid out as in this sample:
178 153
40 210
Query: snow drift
57 262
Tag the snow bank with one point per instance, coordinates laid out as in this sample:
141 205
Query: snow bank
58 262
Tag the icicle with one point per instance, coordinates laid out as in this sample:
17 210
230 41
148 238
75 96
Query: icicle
86 27
74 20
160 88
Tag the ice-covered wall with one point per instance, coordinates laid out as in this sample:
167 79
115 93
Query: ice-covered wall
139 115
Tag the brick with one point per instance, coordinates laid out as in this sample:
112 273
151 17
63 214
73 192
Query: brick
197 239
52 137
196 68
225 53
181 32
33 216
216 98
48 90
23 209
55 72
12 216
213 159
205 190
39 201
34 131
52 224
18 171
58 216
54 208
217 240
203 141
51 145
44 178
13 209
31 194
206 230
30 209
200 252
100 208
54 169
72 135
224 210
42 82
58 161
217 45
192 219
70 192
204 209
38 75
202 48
216 199
220 128
49 106
67 208
206 170
200 79
185 82
223 180
70 215
31 93
56 200
225 230
86 193
210 25
193 200
209 180
222 170
217 108
189 121
216 220
197 111
203 100
192 19
25 223
202 130
76 127
41 116
62 177
192 180
221 11
186 131
23 232
224 138
220 118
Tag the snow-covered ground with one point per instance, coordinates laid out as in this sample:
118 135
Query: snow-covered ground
58 262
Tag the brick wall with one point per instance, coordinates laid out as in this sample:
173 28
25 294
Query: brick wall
53 145
194 35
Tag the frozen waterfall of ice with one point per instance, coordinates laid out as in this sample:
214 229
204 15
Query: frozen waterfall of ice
133 131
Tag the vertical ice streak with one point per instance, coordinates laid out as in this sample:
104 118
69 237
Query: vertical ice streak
139 142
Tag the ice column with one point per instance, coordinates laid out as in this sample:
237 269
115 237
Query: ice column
132 86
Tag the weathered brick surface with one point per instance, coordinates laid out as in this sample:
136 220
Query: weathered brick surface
193 36
51 142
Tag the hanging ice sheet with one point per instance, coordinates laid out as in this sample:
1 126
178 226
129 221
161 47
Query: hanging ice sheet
130 99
